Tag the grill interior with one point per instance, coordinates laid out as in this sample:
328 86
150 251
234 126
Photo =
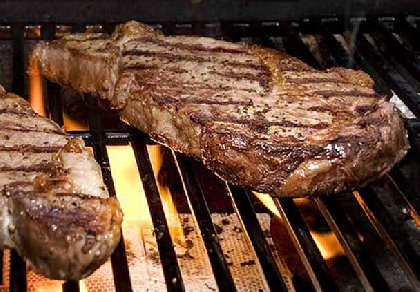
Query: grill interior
377 226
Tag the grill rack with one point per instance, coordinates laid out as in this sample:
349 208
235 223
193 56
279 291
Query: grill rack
393 65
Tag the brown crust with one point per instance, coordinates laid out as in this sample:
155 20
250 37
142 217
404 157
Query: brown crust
257 117
61 233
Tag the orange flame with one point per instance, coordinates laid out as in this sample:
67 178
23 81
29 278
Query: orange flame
327 243
36 97
128 185
130 191
268 202
171 213
72 124
37 101
56 286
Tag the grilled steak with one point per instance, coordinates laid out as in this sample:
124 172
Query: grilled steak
55 208
255 116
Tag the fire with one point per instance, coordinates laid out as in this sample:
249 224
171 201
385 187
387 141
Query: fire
56 286
267 201
37 101
327 243
128 185
71 124
130 191
36 97
171 213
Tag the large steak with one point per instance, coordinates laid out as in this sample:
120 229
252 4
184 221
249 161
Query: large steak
257 117
55 209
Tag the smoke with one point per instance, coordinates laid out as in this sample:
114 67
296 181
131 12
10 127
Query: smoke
354 15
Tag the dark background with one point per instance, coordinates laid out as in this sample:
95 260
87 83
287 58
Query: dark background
195 10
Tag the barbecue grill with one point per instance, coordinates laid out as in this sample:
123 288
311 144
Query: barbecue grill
377 227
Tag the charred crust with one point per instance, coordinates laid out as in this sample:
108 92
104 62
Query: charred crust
239 144
28 148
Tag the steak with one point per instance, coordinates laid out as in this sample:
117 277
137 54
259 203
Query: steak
256 117
55 208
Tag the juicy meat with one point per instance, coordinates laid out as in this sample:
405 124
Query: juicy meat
55 208
256 117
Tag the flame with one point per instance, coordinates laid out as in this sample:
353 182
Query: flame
71 124
36 97
37 101
130 191
171 213
49 286
128 185
56 286
327 243
267 201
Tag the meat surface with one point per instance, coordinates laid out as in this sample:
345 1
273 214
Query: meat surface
55 208
256 117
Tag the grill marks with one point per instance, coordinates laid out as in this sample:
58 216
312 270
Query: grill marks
25 162
16 178
27 142
27 123
222 84
192 43
22 130
12 140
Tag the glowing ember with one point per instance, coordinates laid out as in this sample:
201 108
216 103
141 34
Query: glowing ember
171 213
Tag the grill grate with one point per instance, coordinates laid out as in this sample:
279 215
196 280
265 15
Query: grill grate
361 221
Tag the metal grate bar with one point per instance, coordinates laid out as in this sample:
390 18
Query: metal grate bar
390 232
18 265
18 59
17 272
71 286
350 241
305 245
247 215
167 254
295 47
400 84
402 24
55 102
119 262
342 57
399 50
407 192
375 240
197 201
